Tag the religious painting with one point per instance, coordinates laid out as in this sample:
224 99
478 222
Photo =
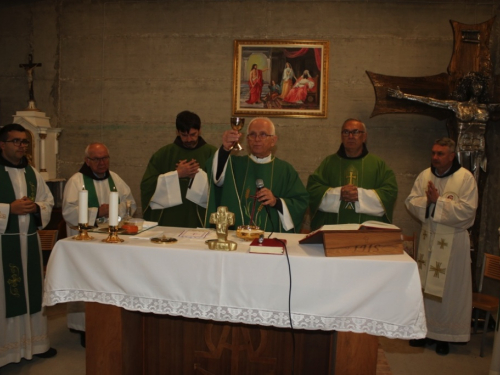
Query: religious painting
280 78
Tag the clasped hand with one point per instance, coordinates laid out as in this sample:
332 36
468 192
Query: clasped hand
187 168
349 193
432 193
266 197
23 206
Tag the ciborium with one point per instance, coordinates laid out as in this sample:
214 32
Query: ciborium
237 124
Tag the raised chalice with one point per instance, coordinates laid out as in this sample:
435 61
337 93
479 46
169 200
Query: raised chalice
237 124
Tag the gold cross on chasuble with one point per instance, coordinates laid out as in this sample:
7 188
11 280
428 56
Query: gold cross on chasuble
350 178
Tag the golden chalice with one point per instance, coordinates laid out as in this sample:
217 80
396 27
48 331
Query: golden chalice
237 124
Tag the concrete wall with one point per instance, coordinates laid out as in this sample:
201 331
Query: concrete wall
119 72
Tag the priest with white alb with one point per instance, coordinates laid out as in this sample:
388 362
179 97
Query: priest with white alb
95 177
444 199
25 206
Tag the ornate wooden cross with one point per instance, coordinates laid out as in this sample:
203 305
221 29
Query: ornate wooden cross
471 53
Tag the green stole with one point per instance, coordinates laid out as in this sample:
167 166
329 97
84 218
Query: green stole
14 284
88 182
238 191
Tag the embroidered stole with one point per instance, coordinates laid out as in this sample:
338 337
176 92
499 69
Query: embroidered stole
14 282
89 185
433 257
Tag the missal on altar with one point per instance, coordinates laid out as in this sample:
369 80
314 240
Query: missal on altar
267 246
368 238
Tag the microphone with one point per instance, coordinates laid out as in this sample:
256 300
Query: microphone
259 183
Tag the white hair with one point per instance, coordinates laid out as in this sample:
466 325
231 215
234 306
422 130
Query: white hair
94 144
273 130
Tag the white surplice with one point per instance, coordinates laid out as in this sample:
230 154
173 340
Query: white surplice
368 202
25 335
449 320
70 199
76 311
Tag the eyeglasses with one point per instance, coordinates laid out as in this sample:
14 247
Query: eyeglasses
254 136
17 142
354 133
98 160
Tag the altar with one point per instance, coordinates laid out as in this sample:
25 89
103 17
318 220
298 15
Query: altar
183 309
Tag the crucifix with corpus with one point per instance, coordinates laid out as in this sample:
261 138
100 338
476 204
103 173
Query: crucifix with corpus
29 68
462 96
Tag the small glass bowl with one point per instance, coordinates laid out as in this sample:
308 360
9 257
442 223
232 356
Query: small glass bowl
248 232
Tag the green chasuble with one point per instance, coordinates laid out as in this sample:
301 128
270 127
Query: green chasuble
239 188
367 172
188 214
14 283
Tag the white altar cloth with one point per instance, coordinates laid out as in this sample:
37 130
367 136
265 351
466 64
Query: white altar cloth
379 295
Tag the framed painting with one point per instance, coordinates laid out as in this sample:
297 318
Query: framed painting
280 78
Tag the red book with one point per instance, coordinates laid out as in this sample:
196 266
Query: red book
267 246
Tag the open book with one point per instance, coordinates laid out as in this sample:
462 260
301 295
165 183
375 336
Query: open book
368 238
367 225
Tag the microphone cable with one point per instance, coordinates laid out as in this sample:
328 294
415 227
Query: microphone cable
259 183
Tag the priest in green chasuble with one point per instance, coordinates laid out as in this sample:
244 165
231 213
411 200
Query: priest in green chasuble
352 186
25 206
174 186
277 206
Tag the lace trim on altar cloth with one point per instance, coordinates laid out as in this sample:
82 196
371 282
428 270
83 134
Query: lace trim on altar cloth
243 315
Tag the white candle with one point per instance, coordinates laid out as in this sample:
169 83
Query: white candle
113 209
83 207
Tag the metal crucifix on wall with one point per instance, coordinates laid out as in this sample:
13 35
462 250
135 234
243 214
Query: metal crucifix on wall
462 96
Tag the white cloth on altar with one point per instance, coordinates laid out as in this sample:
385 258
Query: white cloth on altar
76 312
25 335
450 319
379 295
368 202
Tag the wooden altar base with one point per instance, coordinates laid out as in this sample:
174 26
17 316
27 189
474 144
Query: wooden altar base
122 342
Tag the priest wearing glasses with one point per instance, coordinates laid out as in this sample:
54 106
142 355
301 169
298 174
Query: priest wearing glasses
273 184
352 185
25 206
95 176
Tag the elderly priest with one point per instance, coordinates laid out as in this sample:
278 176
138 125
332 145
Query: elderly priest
273 184
352 185
25 206
99 181
95 176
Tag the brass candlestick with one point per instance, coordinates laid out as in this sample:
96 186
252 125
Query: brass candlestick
82 232
113 235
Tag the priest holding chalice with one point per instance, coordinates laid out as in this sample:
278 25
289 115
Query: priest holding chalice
280 197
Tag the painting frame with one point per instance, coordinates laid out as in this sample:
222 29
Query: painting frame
302 91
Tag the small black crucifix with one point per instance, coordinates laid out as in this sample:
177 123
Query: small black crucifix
30 67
